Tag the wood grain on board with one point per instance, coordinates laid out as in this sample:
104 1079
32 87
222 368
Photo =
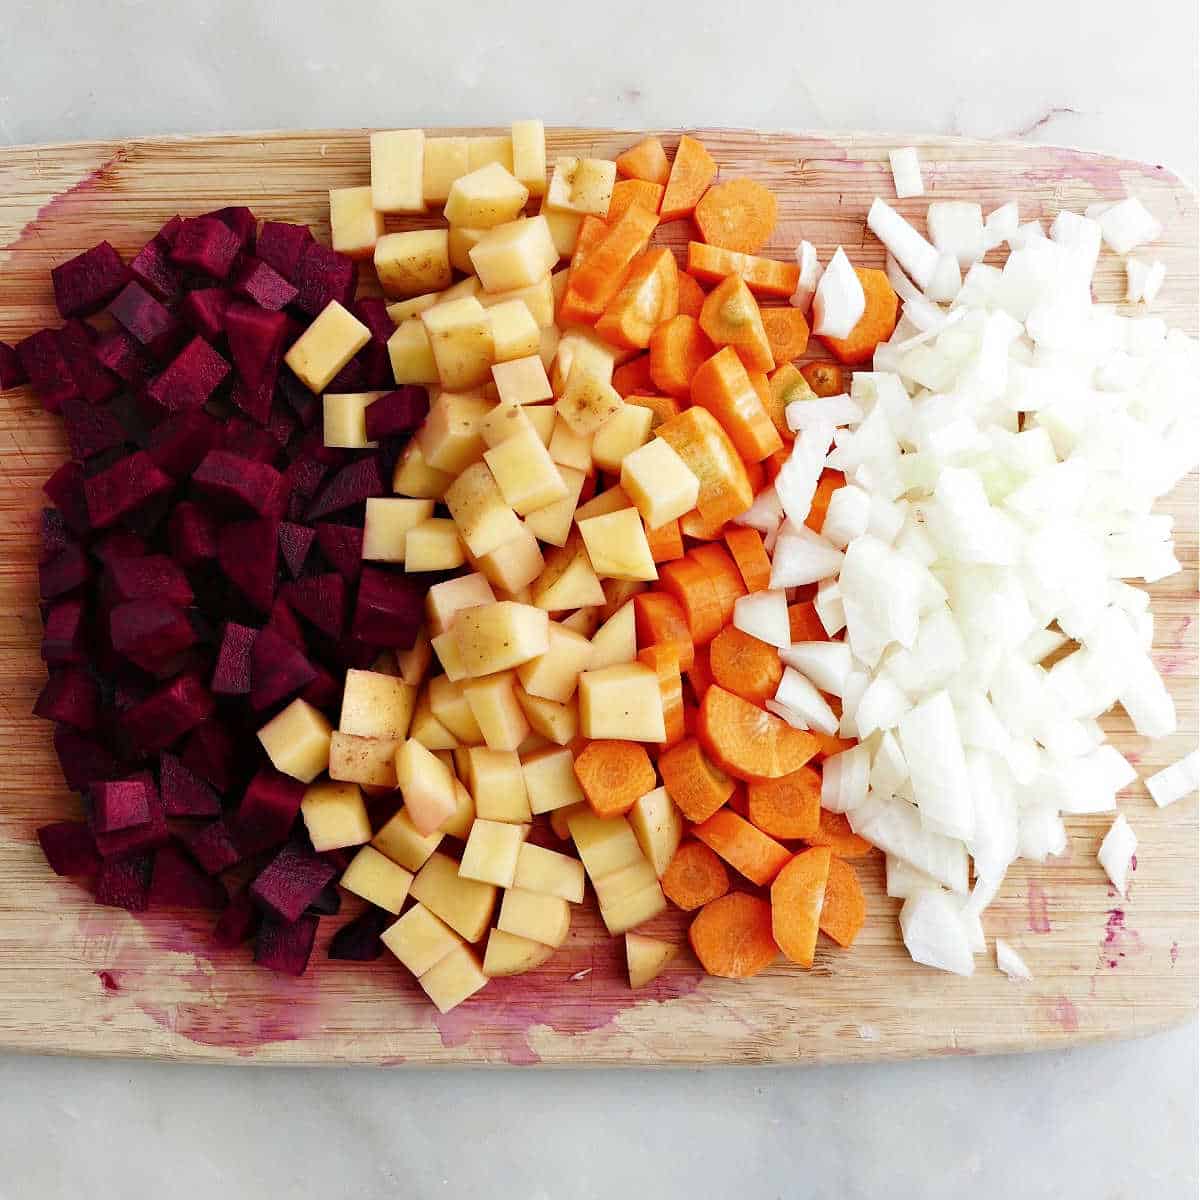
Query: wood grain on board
79 979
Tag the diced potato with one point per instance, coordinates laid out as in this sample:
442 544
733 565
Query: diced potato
489 148
449 705
549 873
584 621
587 401
413 476
568 448
400 841
335 815
433 545
376 705
621 702
634 910
542 418
618 593
455 979
552 523
534 915
550 780
610 500
449 439
445 161
658 825
550 720
522 380
659 482
326 346
529 155
426 784
525 473
538 299
464 904
497 785
533 743
616 544
460 334
514 255
485 197
512 567
515 334
569 580
615 641
582 185
388 520
461 240
605 844
617 886
401 310
507 954
354 224
413 663
645 957
504 421
397 171
420 940
548 346
297 741
580 345
458 824
411 354
477 505
625 432
491 852
497 637
554 674
369 761
564 229
427 729
494 706
445 600
345 419
413 262
560 820
445 646
377 879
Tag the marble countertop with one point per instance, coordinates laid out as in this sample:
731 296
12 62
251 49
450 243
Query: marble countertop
1112 1121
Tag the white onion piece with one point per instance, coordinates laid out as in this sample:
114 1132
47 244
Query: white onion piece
823 410
793 718
801 557
798 694
844 780
1143 280
915 255
1030 231
810 276
903 879
934 934
918 309
889 770
847 517
763 615
830 610
895 827
839 300
1175 781
796 483
906 172
1127 225
956 228
1011 963
946 281
933 750
1116 853
1002 223
881 707
765 514
827 664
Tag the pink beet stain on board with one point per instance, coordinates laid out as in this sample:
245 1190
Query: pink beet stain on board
58 206
1119 941
1039 915
1065 1015
1174 953
109 981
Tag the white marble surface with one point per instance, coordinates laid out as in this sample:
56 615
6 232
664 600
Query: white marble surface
1108 1121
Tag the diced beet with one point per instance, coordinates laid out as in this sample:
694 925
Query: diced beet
167 714
122 355
150 634
285 623
125 882
90 429
247 553
45 366
286 946
70 848
278 669
306 405
373 313
152 577
359 940
118 544
70 696
204 310
304 476
325 275
152 268
207 245
237 482
260 282
183 793
83 759
192 535
119 804
351 378
281 424
210 752
65 572
312 445
231 674
320 599
170 231
86 283
96 383
295 541
353 484
401 411
325 692
194 374
329 902
268 811
65 489
281 246
12 373
123 487
291 881
53 535
150 834
389 610
213 846
241 220
177 883
63 639
239 922
256 340
342 546
147 320
247 440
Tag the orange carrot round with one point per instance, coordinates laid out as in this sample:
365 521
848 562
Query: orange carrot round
746 546
662 408
737 215
664 662
747 742
731 317
633 191
633 377
697 787
787 808
874 326
691 295
845 908
732 937
746 849
648 296
796 899
647 160
828 483
723 387
826 379
691 173
834 832
700 674
702 529
660 621
701 441
694 877
805 625
613 774
677 348
726 578
665 542
830 744
743 665
787 332
686 581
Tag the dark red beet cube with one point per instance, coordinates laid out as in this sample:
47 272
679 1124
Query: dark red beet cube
351 378
295 541
125 882
149 634
65 572
63 636
123 488
260 282
312 445
167 714
353 484
53 534
342 546
285 623
213 847
389 610
246 439
90 430
170 231
210 752
247 553
152 268
65 490
256 341
231 674
268 811
237 482
304 476
96 383
122 355
86 283
204 310
286 946
193 376
83 760
121 803
147 320
278 669
70 848
306 405
152 577
70 696
45 366
177 883
12 373
150 834
325 692
206 245
325 275
117 544
401 411
320 599
239 922
192 535
183 793
241 220
372 312
291 881
281 246
328 902
359 940
281 424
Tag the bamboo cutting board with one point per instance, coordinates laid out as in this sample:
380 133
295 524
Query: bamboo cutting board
84 980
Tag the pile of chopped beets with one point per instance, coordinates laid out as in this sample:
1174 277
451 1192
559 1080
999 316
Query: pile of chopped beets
201 567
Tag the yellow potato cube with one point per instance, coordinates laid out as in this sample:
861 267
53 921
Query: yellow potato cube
548 346
326 346
616 544
646 957
490 148
485 198
522 381
512 567
400 841
584 621
611 500
582 185
620 436
354 224
413 476
460 333
549 873
514 255
568 448
494 706
445 600
411 354
538 298
413 663
550 720
504 421
413 262
455 979
579 344
497 786
588 400
366 760
515 333
542 418
491 852
525 473
552 524
376 705
621 702
529 155
497 637
427 729
426 784
397 170
569 580
464 287
550 780
605 844
345 419
433 545
615 641
449 439
445 161
458 825
335 816
297 741
618 593
564 228
464 904
634 910
377 879
420 940
485 522
461 240
560 820
388 520
534 915
401 310
445 646
617 886
554 674
659 482
658 826
507 954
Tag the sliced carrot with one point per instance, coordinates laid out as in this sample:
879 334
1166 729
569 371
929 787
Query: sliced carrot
732 937
827 484
690 715
844 910
613 774
746 546
743 665
694 877
687 582
697 786
789 807
700 675
660 621
647 160
835 832
663 407
730 317
677 348
797 896
830 744
746 849
604 267
691 295
874 326
691 173
757 476
634 191
722 386
726 579
826 379
804 623
633 377
665 542
747 742
737 215
786 385
693 525
649 296
572 308
699 439
664 662
787 332
775 463
763 276
738 803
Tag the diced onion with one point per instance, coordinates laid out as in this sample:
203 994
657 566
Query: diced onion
763 615
839 300
1127 225
914 254
906 172
1176 781
1011 963
1116 852
934 934
810 276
